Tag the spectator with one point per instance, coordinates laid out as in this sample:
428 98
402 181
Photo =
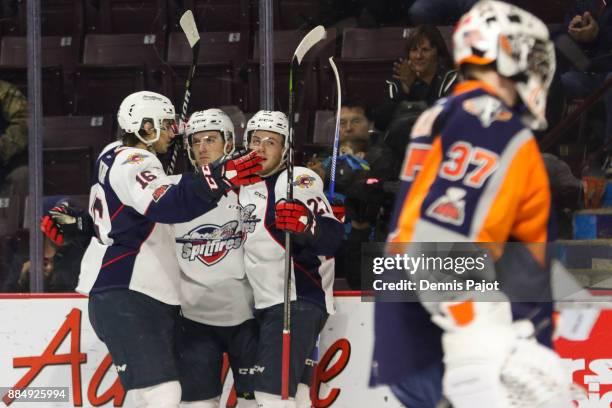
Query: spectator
13 141
356 120
589 23
425 73
61 262
355 148
365 201
350 160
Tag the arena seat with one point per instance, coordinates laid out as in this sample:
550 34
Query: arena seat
126 17
58 17
115 66
212 15
64 131
10 215
67 170
56 51
215 82
296 14
367 58
52 86
307 79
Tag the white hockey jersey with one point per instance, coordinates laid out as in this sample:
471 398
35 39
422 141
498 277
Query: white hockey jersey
131 194
210 249
313 263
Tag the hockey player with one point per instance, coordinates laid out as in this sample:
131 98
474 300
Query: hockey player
216 298
129 269
316 235
473 173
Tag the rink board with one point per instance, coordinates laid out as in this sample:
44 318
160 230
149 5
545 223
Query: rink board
47 341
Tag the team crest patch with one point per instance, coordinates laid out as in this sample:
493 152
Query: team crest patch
304 181
487 110
449 208
135 158
211 243
160 191
247 218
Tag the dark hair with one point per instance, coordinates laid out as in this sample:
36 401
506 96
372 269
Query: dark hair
358 145
433 35
127 139
353 102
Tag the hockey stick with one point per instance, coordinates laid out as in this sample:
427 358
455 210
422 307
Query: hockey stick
312 38
332 177
190 29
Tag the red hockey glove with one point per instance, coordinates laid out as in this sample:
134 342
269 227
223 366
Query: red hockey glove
245 166
52 230
295 217
217 184
64 223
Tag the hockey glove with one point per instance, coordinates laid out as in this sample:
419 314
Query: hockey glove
64 223
245 165
215 176
295 217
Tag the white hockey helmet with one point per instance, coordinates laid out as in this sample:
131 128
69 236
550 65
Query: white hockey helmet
273 121
210 119
141 107
519 46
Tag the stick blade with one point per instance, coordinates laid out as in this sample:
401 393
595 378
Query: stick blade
189 27
314 36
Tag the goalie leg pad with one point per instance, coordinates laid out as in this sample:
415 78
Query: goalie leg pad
534 376
474 386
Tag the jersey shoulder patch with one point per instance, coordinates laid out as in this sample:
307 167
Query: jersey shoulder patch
304 178
487 109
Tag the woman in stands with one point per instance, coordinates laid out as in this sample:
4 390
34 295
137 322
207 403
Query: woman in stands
425 73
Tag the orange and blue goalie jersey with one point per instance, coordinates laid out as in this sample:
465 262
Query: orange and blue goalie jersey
472 173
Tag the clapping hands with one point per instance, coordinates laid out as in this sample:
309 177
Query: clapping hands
583 28
403 70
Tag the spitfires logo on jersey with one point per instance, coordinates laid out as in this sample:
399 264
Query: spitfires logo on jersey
211 243
449 208
135 158
248 220
487 109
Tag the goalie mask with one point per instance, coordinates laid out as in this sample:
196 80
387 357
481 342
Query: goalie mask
210 120
517 44
142 107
